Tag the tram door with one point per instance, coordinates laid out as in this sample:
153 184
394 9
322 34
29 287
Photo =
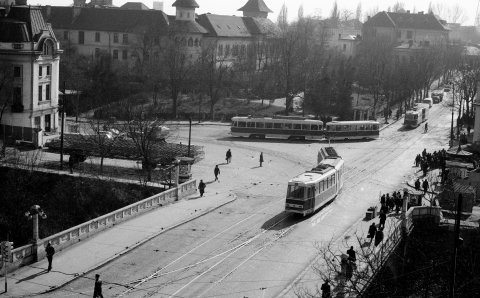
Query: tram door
310 198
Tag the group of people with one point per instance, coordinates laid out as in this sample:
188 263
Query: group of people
423 185
389 203
216 170
375 234
429 161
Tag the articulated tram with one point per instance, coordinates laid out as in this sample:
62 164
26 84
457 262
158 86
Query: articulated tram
311 190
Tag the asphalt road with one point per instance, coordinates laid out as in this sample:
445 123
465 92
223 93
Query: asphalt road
251 248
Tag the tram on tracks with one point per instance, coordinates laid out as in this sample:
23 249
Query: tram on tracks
313 189
280 127
350 130
414 117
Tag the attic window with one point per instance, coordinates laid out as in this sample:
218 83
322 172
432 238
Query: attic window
238 27
48 47
219 27
229 27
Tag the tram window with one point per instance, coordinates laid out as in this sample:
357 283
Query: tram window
241 124
268 125
348 128
361 127
288 125
296 191
375 127
250 124
234 123
297 126
314 127
305 127
278 125
309 192
260 124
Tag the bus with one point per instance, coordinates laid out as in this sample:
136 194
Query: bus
417 115
313 189
350 130
281 127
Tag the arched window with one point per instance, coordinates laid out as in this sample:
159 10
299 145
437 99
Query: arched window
220 50
190 42
196 42
184 41
242 50
47 47
227 50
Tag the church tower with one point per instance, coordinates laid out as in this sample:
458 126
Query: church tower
255 9
185 10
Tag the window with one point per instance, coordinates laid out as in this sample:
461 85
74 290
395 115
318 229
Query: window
278 125
115 54
344 47
40 71
305 127
241 124
65 34
37 122
97 52
125 38
297 126
268 125
97 36
48 70
17 71
47 123
339 36
220 50
409 34
47 92
47 47
296 191
124 54
260 125
288 125
196 42
314 127
40 93
227 50
81 37
190 42
251 124
115 37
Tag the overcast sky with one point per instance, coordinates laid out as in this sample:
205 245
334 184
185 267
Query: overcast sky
311 7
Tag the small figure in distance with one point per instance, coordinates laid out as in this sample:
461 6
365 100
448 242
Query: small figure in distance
351 254
326 292
261 158
216 171
228 156
97 290
50 252
426 127
201 188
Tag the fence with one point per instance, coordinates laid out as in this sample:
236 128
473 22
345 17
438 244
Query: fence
32 252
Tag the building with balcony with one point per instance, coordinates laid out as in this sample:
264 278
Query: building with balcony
29 47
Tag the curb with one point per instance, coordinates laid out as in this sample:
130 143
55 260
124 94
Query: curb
130 248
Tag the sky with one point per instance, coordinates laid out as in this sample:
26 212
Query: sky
310 7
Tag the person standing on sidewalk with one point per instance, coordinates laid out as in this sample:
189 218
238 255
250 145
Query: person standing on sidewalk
228 156
326 292
371 232
97 290
425 186
383 218
216 171
261 158
71 162
50 252
201 188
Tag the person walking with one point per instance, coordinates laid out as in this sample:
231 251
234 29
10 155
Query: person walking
371 232
201 187
417 184
425 186
378 236
228 156
261 158
326 291
383 218
50 252
216 171
351 254
71 163
97 290
426 127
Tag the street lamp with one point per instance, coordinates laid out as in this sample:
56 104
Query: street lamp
63 123
189 134
451 125
33 214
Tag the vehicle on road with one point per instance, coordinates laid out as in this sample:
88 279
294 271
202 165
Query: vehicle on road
313 189
349 130
437 96
280 127
414 117
428 101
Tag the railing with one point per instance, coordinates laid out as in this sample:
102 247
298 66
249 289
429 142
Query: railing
26 254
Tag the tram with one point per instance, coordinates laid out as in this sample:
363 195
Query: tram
280 127
349 130
313 189
416 116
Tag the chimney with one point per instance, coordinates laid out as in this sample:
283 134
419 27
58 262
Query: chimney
21 2
76 11
48 10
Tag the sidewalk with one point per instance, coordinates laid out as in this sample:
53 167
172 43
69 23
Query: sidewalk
104 247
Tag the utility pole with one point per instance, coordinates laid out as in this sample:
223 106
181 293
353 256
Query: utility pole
456 242
189 134
451 125
63 123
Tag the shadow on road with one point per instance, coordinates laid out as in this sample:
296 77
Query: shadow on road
282 220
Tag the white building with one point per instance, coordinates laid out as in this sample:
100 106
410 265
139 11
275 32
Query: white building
29 46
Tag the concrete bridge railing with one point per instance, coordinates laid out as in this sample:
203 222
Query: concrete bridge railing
36 251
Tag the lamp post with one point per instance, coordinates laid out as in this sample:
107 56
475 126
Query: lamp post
189 134
33 214
63 124
451 125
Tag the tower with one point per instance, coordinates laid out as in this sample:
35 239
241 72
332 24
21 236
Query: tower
185 10
255 9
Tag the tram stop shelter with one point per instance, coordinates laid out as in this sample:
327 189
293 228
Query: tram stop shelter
185 168
414 197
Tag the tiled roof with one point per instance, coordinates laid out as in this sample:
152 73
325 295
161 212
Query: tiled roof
224 26
185 3
32 19
255 6
406 21
187 27
105 19
261 26
134 5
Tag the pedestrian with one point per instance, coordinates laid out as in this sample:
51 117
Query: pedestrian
424 153
71 162
425 186
426 127
261 158
228 156
382 199
469 129
371 231
351 254
417 184
378 236
418 158
201 187
50 252
383 218
326 292
216 171
97 290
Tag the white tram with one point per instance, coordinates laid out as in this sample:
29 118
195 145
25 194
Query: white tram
350 130
281 127
311 190
416 116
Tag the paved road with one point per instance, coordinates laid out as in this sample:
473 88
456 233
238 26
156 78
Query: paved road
251 248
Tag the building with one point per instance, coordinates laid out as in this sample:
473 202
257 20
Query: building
398 27
28 45
463 34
